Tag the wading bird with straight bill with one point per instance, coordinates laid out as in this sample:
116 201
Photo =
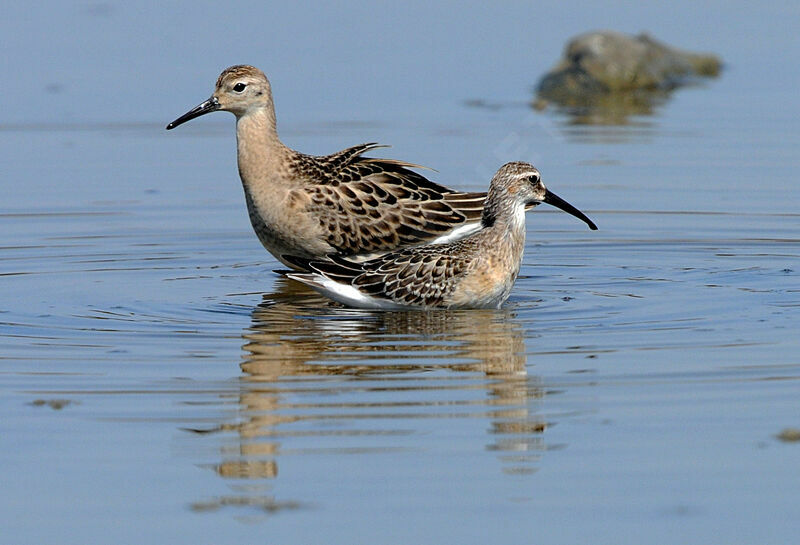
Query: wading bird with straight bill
342 204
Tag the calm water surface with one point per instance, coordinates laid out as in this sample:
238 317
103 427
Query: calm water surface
159 383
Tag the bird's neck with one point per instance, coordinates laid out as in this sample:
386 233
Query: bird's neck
505 222
503 211
259 149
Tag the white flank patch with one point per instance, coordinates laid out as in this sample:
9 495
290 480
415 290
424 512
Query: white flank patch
458 233
343 293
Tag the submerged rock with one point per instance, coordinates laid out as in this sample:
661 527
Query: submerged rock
612 75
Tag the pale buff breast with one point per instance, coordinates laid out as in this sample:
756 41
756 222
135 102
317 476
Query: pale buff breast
282 222
488 283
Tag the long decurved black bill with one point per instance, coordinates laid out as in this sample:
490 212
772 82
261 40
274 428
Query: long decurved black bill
554 200
210 105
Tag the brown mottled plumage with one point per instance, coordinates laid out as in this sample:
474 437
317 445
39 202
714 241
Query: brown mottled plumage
476 271
342 204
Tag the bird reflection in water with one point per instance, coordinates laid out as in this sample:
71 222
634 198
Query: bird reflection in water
356 382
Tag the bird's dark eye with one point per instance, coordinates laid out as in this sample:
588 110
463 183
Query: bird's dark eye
239 87
533 178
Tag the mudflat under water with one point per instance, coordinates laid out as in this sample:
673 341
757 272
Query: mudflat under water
159 383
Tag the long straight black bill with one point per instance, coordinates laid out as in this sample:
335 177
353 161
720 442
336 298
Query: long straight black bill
210 105
554 200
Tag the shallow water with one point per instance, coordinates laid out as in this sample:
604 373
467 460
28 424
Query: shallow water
161 384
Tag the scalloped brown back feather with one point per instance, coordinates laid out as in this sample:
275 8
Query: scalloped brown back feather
424 276
369 205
